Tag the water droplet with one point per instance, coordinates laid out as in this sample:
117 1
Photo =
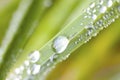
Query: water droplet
94 16
21 68
60 44
17 70
28 71
101 2
95 34
94 10
26 63
34 57
119 8
92 5
47 3
90 26
16 79
85 16
35 69
81 23
109 4
103 9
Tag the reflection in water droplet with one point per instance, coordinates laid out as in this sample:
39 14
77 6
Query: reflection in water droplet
109 4
94 16
101 2
34 57
26 63
17 70
92 5
60 44
35 69
119 8
28 71
103 9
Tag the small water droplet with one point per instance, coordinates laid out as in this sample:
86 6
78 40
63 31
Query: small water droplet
85 16
101 2
34 57
103 9
94 10
17 70
60 44
35 69
92 5
109 4
47 3
94 16
21 68
28 71
81 23
119 8
26 63
95 34
16 79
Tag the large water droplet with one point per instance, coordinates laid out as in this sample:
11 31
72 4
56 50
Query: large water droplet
34 57
35 69
60 44
103 9
109 4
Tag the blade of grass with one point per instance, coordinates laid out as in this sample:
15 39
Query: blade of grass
19 24
49 51
89 57
5 8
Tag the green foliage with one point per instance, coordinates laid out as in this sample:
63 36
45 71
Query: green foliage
42 33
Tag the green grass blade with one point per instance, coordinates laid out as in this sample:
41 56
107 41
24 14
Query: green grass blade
96 17
5 8
14 25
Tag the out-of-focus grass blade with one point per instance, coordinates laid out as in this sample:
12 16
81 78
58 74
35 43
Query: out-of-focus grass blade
6 10
22 25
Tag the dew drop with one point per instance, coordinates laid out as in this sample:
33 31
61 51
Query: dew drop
47 3
26 63
103 9
16 79
94 16
119 8
21 68
28 71
94 10
35 69
60 44
101 2
109 4
92 5
17 70
85 16
34 57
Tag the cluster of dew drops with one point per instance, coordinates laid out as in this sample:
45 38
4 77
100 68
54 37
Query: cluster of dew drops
93 11
30 66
